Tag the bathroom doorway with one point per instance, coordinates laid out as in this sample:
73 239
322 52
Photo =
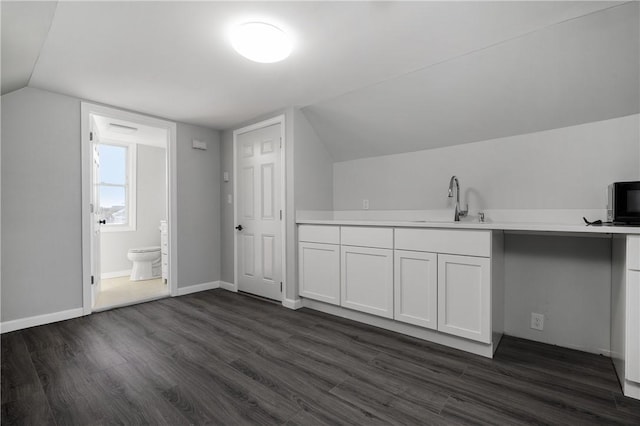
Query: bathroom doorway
127 219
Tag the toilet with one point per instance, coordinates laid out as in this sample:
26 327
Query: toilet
146 263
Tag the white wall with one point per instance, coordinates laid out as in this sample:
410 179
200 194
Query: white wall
41 189
565 278
566 168
151 207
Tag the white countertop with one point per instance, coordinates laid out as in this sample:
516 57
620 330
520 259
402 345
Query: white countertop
504 226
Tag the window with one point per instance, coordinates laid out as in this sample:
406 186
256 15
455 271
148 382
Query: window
116 186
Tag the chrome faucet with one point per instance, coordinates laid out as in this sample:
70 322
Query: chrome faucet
458 213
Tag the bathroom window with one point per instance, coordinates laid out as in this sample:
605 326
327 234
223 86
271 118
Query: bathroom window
116 186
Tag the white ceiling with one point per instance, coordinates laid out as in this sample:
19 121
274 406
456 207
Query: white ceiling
354 63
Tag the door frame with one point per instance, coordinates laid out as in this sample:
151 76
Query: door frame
280 119
86 109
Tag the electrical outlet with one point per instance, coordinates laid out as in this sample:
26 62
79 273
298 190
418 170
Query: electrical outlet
537 321
365 204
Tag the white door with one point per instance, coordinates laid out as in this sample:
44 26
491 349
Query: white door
366 279
258 215
464 296
416 288
96 221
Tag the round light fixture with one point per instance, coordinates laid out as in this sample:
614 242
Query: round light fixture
261 42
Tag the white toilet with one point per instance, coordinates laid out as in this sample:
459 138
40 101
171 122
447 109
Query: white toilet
146 263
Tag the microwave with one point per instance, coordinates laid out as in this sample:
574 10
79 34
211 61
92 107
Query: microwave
624 203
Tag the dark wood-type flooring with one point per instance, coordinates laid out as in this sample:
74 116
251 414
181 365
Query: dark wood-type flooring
222 358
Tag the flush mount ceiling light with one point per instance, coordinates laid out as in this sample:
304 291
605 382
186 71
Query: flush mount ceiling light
261 42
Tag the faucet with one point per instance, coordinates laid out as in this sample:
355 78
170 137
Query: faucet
458 212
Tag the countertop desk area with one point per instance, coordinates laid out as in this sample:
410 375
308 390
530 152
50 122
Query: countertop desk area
415 277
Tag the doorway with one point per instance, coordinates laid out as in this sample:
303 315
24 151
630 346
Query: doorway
127 210
259 208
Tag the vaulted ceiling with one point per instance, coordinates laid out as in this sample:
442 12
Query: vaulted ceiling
373 77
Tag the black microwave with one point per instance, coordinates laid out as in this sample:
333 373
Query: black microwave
624 203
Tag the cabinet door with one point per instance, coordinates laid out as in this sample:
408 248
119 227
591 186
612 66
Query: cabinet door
319 272
633 326
464 295
416 288
367 280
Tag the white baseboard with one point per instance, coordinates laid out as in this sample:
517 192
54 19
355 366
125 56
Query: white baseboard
292 303
228 286
198 287
116 274
19 324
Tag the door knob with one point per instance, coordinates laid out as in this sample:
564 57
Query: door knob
103 221
239 227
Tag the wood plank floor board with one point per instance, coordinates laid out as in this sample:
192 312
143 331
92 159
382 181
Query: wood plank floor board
218 357
18 379
314 400
379 402
30 410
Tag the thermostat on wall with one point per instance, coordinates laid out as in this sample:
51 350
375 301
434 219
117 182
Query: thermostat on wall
196 144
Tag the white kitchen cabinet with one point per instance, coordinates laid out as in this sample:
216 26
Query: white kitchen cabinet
367 280
319 271
464 296
633 325
416 288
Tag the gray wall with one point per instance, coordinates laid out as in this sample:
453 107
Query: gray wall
566 168
309 186
41 189
41 233
151 208
198 206
566 279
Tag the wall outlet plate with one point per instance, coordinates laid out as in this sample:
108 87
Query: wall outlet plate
365 204
537 321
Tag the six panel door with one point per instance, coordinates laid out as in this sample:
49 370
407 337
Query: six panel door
258 212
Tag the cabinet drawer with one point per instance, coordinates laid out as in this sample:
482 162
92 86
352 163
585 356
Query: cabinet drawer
633 252
367 237
452 241
319 234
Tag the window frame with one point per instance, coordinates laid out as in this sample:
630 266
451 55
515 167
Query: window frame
129 186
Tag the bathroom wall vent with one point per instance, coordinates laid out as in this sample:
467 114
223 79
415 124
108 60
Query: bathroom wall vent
196 144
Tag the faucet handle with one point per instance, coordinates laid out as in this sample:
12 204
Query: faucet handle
481 217
464 212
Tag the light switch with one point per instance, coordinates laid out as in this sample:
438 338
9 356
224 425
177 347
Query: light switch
225 176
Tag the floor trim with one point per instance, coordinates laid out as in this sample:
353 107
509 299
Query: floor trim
116 274
198 287
19 324
228 286
292 303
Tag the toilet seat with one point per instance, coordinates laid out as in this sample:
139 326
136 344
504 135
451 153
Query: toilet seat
145 249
